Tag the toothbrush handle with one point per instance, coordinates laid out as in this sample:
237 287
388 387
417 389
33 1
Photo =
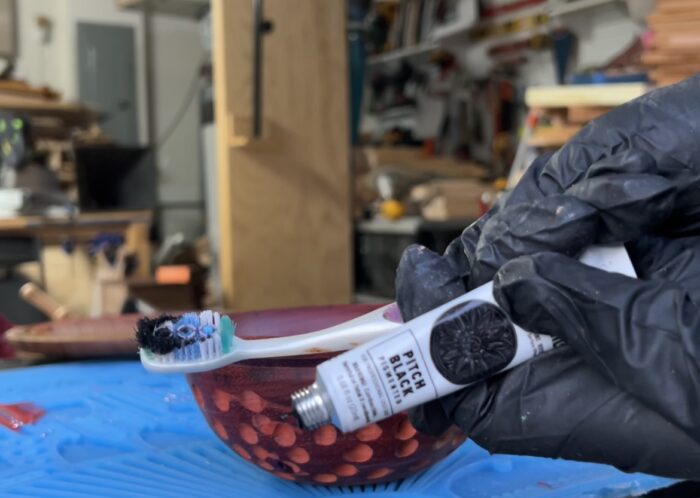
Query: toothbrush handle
341 337
381 321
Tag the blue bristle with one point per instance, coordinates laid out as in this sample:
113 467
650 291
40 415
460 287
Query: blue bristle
188 353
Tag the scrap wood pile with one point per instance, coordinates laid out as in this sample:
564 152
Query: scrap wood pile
20 88
674 52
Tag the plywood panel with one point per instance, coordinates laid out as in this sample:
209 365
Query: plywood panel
285 199
583 95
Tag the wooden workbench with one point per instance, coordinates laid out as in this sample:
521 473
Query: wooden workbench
133 225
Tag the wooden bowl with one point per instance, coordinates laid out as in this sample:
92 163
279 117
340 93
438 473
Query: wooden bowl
77 337
248 406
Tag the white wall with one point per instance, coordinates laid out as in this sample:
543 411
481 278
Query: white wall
179 55
178 52
43 64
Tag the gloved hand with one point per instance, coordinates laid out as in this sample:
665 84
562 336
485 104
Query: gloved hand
625 391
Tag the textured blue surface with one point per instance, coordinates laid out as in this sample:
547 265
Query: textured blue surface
112 430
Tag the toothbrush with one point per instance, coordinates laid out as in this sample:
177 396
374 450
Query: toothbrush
199 342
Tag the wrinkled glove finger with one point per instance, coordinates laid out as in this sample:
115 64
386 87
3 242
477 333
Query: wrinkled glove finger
528 188
602 209
558 223
641 335
431 418
676 260
425 280
629 205
557 406
686 218
662 125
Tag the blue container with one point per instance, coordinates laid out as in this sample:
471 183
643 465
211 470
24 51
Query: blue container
599 78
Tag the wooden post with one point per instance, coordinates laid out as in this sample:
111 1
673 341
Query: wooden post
284 198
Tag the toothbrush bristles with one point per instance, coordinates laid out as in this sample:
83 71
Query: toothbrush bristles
189 338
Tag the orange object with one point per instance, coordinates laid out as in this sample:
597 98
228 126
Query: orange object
500 184
392 209
19 414
173 274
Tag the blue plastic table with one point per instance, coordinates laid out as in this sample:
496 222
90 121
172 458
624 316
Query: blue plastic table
113 430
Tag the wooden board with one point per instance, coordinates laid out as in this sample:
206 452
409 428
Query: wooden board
40 105
413 159
78 338
679 23
669 80
583 95
184 8
678 69
678 40
673 56
581 115
657 58
670 75
553 136
446 200
284 201
50 118
677 6
657 19
21 88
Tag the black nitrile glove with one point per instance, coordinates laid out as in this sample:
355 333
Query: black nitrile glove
626 389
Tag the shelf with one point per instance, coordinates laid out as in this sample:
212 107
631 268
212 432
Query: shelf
193 9
74 114
603 95
414 52
561 8
452 30
465 17
395 112
552 136
412 159
408 225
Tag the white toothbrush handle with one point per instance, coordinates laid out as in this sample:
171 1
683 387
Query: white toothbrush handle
363 329
341 337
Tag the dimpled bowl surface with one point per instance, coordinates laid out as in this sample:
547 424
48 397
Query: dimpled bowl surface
248 406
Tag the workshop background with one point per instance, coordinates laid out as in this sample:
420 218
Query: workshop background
240 155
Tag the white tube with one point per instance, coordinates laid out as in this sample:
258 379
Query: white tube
399 371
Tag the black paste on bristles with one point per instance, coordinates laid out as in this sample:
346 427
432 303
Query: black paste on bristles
160 341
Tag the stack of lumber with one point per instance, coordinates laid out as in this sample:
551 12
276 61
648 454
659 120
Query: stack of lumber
564 110
451 199
22 89
50 117
674 54
415 160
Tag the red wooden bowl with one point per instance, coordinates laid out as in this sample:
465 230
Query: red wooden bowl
248 406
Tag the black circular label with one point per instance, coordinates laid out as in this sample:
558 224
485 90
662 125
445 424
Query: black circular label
472 341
